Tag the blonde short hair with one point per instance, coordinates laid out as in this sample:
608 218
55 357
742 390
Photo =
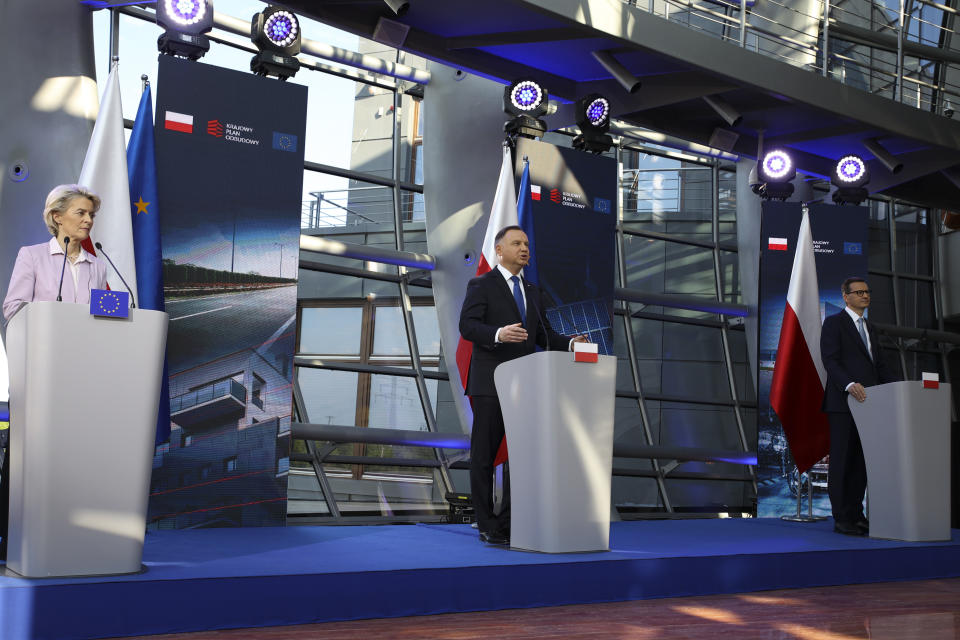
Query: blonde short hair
58 200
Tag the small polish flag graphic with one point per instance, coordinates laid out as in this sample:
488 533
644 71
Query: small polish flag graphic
777 244
535 191
585 352
931 380
178 122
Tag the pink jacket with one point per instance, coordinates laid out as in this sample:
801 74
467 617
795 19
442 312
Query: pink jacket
36 276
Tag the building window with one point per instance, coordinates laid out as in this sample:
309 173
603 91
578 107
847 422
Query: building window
365 399
257 395
187 440
230 464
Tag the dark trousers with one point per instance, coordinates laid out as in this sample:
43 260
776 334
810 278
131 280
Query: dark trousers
4 501
847 479
484 442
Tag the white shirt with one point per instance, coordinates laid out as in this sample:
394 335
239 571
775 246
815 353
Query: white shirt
856 323
55 248
506 276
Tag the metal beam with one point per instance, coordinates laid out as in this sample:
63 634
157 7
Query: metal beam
690 303
515 37
372 435
381 255
859 35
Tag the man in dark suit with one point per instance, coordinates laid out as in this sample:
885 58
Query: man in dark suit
504 318
851 356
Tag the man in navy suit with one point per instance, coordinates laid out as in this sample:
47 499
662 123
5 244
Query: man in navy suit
851 355
504 318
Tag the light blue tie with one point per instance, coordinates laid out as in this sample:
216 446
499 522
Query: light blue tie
863 336
518 296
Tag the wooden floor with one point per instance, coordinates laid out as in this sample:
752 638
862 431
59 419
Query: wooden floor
927 610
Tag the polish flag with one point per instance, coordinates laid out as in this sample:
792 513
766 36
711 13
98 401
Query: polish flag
777 244
503 214
535 191
931 380
585 352
178 122
105 173
796 392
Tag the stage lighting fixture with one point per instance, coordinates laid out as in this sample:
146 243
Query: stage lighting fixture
525 100
723 108
276 32
592 113
775 173
184 22
886 158
850 177
620 73
399 7
947 108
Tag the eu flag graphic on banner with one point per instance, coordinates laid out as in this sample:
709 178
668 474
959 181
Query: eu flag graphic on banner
853 248
142 173
113 304
284 141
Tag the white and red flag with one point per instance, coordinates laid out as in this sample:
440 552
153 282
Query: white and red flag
796 392
586 352
930 380
105 173
182 122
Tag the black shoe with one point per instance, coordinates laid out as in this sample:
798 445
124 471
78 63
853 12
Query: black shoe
848 529
494 538
864 525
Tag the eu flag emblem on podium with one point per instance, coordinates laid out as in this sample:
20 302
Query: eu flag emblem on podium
113 304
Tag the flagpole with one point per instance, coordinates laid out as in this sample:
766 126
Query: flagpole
799 517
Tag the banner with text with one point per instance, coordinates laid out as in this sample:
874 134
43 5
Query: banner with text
574 205
840 249
229 149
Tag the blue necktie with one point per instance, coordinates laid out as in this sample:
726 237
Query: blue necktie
863 336
518 296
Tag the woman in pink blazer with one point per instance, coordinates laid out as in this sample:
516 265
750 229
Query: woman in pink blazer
69 213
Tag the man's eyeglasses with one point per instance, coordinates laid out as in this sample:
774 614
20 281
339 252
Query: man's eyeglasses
861 292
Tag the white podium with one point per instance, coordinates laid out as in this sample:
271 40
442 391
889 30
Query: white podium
905 432
558 416
84 393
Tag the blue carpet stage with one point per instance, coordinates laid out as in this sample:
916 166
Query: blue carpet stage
221 578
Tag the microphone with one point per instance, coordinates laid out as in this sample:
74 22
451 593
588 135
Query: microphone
133 301
543 324
63 267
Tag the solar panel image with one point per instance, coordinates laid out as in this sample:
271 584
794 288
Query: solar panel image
588 317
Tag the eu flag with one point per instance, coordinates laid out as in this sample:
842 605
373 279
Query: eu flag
112 304
284 141
142 171
525 218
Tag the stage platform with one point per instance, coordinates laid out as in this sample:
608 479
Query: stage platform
222 578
